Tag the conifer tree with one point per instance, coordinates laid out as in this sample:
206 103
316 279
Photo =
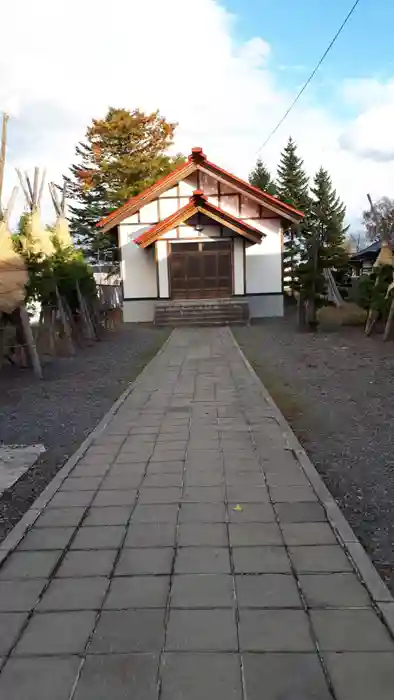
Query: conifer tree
260 177
292 188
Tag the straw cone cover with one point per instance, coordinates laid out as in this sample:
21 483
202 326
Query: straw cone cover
37 240
13 273
385 256
62 233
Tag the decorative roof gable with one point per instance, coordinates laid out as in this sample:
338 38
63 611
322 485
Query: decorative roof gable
199 203
197 161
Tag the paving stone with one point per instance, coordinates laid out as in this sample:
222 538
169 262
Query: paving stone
333 590
124 631
203 478
104 537
145 561
81 483
163 455
244 465
300 512
261 560
60 517
319 559
284 676
39 678
200 676
288 477
125 468
267 591
155 513
253 478
292 494
350 630
246 534
138 592
308 533
250 513
47 538
17 596
27 565
247 494
202 560
160 495
202 512
361 676
56 633
84 469
274 630
166 468
10 626
118 482
201 630
119 677
87 563
203 494
150 535
115 515
202 591
68 499
115 498
202 534
163 480
74 594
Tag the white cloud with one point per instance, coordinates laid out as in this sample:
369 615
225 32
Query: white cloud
70 59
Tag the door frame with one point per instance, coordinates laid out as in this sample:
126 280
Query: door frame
179 242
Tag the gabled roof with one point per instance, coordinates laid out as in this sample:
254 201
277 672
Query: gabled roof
370 251
198 203
197 160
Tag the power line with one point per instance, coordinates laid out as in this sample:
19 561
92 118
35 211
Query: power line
328 49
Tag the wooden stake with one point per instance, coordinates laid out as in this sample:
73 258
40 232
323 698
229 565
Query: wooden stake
44 174
3 150
65 322
23 185
389 322
28 334
85 313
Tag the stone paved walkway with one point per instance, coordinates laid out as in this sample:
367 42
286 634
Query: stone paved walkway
186 557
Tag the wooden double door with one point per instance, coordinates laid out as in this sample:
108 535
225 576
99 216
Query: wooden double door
201 270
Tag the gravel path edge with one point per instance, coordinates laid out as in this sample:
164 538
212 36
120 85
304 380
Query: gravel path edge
19 530
381 597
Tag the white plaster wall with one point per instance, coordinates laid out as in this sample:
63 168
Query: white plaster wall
162 264
238 266
148 213
264 260
138 264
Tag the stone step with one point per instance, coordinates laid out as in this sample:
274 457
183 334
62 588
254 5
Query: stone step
216 312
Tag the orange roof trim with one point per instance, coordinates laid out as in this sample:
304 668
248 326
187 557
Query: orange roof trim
198 203
197 160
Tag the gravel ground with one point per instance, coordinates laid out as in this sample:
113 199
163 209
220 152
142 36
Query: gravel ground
336 391
64 408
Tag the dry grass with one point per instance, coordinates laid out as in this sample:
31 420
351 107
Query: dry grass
349 314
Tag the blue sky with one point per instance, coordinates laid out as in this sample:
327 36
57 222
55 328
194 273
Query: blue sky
300 30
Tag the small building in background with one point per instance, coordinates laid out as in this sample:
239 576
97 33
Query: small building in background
363 261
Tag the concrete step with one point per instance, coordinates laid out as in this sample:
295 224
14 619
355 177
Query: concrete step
218 312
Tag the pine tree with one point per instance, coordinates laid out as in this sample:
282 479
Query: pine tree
260 177
324 243
292 188
122 154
